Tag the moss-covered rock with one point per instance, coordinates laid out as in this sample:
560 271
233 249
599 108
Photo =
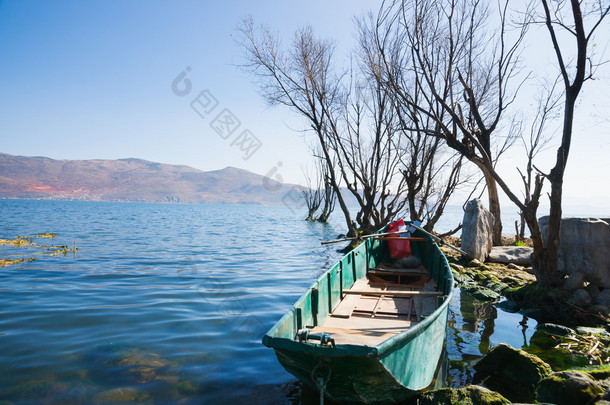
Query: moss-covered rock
475 263
184 388
456 267
462 279
511 372
129 365
569 351
121 395
599 372
511 281
601 332
480 293
543 340
484 276
496 286
470 395
554 329
37 390
568 388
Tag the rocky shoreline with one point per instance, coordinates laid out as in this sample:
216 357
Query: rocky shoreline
567 360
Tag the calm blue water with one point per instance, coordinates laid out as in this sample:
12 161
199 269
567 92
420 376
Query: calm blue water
168 303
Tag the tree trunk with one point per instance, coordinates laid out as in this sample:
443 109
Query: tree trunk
494 203
329 202
494 208
548 274
545 255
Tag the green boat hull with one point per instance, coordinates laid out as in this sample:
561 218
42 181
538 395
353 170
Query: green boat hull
388 372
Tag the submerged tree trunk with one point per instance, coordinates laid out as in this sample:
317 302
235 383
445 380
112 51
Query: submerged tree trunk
329 202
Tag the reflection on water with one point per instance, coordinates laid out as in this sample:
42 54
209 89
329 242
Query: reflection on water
474 328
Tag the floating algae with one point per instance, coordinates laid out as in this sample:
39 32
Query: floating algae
25 242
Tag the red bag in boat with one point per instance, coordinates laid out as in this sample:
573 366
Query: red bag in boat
398 248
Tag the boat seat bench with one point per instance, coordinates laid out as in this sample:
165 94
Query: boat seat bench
363 330
355 337
396 294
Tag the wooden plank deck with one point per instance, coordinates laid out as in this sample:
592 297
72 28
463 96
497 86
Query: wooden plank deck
373 311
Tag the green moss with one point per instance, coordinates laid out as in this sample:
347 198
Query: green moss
527 292
563 352
512 372
568 388
470 395
496 286
543 340
185 388
475 263
120 396
462 279
485 276
597 372
37 390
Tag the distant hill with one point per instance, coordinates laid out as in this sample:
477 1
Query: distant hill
135 180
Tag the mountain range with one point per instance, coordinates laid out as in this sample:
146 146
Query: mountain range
136 180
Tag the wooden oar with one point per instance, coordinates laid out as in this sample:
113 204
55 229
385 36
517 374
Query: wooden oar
361 237
439 240
434 237
337 240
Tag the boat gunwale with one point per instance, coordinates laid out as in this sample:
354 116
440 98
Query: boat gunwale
427 321
356 350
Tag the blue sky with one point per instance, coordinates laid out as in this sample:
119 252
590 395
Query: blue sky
93 80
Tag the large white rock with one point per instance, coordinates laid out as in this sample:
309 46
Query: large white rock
521 255
476 230
584 247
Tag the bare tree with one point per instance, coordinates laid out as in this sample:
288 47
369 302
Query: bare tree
319 193
536 141
443 62
569 16
304 81
438 32
312 194
329 198
353 120
430 174
369 157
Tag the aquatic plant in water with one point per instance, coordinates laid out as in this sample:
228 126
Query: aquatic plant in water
26 242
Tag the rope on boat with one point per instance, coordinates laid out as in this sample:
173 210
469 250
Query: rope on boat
321 381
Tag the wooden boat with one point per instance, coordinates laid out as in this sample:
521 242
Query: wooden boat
370 329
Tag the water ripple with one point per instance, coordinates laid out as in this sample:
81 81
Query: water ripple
170 301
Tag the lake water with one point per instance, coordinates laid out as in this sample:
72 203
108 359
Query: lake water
168 303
